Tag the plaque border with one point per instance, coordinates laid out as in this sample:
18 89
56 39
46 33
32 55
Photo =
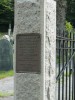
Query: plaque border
28 34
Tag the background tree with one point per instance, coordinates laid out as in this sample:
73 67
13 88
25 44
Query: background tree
71 11
6 12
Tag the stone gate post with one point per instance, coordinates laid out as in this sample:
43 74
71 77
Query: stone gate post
35 49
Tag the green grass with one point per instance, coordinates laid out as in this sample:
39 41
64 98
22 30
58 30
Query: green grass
1 34
6 94
4 74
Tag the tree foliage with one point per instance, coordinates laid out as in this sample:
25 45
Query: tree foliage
69 27
71 11
6 11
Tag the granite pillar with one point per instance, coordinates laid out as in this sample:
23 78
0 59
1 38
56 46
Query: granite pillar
37 17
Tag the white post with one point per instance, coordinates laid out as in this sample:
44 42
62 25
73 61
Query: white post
9 30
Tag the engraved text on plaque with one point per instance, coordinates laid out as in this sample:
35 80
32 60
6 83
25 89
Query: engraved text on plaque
28 53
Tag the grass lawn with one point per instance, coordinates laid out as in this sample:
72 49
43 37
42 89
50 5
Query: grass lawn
4 74
6 94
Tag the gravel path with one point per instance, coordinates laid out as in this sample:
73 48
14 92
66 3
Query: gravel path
7 98
7 86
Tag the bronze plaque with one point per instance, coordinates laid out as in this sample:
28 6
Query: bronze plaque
28 53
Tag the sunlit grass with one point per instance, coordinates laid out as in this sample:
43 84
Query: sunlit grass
6 94
4 74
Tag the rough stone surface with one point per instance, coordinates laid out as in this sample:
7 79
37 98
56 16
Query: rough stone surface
6 55
28 86
50 48
28 20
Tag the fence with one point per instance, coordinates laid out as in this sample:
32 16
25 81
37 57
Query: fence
65 66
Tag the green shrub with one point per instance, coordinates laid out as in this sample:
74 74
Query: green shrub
69 27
